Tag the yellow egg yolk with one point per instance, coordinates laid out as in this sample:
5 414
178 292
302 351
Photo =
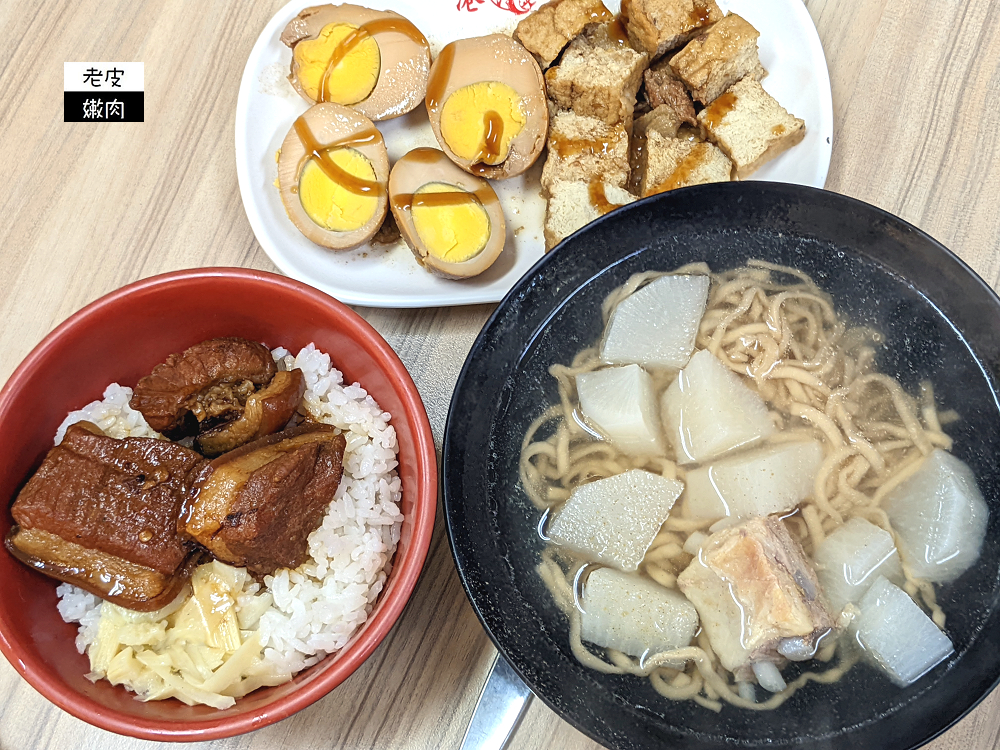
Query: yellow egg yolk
352 79
330 204
453 229
479 121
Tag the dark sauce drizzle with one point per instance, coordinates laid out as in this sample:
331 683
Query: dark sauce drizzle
320 153
483 195
599 198
439 77
492 121
358 35
493 134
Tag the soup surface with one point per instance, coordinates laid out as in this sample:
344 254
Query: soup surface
789 410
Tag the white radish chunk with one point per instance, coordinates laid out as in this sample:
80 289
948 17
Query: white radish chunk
939 517
620 402
656 326
851 558
614 520
902 640
756 483
694 542
708 410
769 676
634 615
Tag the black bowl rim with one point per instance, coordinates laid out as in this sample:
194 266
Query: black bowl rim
778 190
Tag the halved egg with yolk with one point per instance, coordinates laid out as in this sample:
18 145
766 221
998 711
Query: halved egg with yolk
486 103
333 171
375 61
450 219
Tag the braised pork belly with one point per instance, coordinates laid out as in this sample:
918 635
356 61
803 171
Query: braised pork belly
100 513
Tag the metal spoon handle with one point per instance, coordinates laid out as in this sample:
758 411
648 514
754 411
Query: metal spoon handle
501 705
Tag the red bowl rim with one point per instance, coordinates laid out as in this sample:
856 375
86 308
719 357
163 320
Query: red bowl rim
405 572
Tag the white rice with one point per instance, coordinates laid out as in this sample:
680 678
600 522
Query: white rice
317 607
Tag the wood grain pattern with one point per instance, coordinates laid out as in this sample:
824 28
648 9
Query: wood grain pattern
86 208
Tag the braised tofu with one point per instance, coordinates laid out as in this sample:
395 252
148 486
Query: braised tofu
658 26
672 163
715 60
546 31
573 204
585 149
597 79
749 126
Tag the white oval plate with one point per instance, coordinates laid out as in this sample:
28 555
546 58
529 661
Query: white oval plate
388 276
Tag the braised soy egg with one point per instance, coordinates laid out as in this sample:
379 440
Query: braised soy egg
450 219
332 175
375 61
486 103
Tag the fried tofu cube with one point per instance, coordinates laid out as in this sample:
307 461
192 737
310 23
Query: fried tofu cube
658 26
574 204
715 60
551 27
585 149
663 120
597 78
749 126
672 163
664 88
754 588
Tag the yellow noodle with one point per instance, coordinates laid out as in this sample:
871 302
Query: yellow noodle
948 416
664 552
820 420
662 577
903 406
811 518
904 472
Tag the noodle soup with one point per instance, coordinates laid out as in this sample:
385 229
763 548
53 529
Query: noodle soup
797 492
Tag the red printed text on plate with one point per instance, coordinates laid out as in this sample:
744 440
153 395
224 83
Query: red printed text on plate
520 7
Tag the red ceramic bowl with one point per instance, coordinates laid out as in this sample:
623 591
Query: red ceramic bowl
121 337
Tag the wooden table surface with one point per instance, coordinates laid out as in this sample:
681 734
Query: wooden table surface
90 207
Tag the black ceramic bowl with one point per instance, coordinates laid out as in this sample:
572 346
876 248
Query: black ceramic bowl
942 322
